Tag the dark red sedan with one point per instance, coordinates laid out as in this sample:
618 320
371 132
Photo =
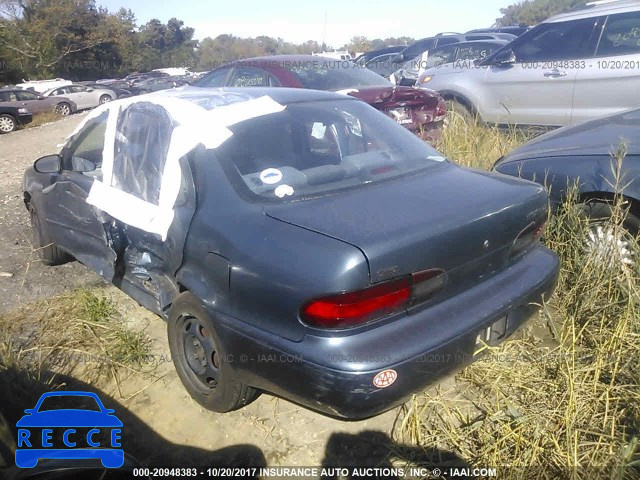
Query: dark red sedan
417 109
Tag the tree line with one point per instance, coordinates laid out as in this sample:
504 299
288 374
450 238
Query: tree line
79 40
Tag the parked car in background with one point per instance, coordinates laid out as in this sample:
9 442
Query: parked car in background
36 103
516 30
114 87
363 59
418 110
83 96
462 53
343 236
417 48
570 68
139 77
155 84
384 65
12 117
585 155
40 86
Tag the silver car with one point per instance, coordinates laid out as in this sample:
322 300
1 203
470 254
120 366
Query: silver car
84 97
570 68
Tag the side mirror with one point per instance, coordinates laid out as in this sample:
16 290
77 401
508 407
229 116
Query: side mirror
89 89
82 165
29 411
503 57
48 164
40 97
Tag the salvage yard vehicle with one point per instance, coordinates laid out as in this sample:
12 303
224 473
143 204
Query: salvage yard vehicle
460 54
421 111
570 68
585 156
35 103
297 242
83 96
12 117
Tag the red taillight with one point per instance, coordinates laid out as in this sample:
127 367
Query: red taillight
354 308
441 110
530 234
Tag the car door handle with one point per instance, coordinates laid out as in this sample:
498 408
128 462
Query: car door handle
555 73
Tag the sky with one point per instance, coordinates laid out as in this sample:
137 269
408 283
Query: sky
299 21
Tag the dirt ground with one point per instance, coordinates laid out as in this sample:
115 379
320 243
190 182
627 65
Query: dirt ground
172 427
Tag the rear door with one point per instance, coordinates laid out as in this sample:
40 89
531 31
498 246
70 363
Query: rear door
609 82
537 89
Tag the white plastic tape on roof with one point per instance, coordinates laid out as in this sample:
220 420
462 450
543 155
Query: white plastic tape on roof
195 125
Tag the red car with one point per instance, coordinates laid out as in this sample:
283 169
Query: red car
418 109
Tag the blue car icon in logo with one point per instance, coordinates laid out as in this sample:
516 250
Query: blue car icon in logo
69 425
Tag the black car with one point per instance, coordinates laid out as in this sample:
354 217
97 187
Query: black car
12 117
461 53
297 242
425 44
516 30
585 155
366 57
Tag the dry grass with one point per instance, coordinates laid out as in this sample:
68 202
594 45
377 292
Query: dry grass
567 407
44 118
472 144
76 334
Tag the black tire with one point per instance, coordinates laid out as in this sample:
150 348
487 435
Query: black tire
201 360
461 109
48 251
105 99
599 211
63 108
7 123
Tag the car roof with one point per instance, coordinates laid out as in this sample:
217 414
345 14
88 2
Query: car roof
596 9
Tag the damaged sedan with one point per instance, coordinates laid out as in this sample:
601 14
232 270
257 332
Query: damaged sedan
420 110
297 242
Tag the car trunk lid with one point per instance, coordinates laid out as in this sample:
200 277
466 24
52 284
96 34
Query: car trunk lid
458 220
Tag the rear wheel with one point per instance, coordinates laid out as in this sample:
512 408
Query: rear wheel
7 123
63 109
613 244
105 99
48 251
460 109
201 360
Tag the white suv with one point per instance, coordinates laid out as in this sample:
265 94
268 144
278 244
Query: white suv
570 68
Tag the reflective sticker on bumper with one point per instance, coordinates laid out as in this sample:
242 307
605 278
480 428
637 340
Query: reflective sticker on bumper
385 378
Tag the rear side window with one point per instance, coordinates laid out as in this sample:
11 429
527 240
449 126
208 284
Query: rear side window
621 35
555 41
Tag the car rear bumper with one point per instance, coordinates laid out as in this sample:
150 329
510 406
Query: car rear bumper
334 375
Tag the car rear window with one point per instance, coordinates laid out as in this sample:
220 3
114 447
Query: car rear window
334 75
319 148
